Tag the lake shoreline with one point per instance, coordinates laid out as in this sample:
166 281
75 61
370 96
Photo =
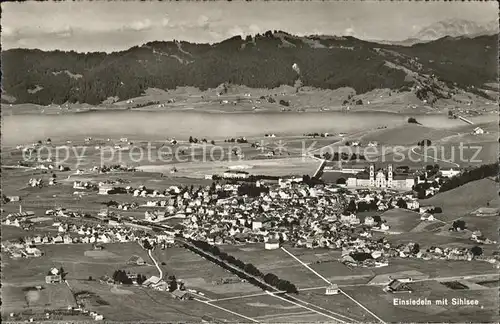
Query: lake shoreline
201 124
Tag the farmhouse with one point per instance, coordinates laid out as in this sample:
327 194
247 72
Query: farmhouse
136 260
181 294
381 179
485 211
53 276
478 131
397 286
105 189
332 290
449 172
272 244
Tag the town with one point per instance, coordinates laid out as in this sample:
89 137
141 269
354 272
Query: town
352 216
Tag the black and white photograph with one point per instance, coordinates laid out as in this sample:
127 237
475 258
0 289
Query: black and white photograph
250 162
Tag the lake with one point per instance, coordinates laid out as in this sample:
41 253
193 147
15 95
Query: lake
143 125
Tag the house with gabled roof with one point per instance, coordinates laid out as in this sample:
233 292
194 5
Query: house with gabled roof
136 260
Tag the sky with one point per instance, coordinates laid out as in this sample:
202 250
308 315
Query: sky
112 26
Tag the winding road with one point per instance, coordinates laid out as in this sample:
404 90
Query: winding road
156 264
435 159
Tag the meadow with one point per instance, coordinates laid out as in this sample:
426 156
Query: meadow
463 200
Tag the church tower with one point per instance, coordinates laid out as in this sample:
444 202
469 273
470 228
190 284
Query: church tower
372 175
389 176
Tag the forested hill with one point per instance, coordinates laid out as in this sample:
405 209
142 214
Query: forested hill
263 61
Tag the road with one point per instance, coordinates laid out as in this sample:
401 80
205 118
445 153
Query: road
326 280
156 264
260 280
274 292
435 159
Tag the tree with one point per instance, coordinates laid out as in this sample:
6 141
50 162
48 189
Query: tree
377 219
401 203
284 103
415 249
62 273
212 142
476 251
251 269
191 139
172 283
90 278
147 245
421 193
140 279
458 224
351 208
412 120
341 181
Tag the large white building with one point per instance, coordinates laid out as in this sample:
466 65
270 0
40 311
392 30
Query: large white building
236 174
382 179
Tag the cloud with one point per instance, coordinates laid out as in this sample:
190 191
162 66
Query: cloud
139 25
64 31
165 22
7 31
235 31
254 29
349 31
203 22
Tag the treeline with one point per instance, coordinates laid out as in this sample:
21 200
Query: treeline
123 277
269 278
261 62
481 172
343 156
251 190
251 178
149 103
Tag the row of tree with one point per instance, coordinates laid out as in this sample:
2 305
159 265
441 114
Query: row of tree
343 156
122 277
269 278
481 172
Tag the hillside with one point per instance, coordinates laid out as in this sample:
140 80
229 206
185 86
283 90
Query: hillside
432 71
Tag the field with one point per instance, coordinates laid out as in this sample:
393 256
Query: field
463 200
409 134
274 167
76 261
148 305
401 220
25 297
382 304
200 274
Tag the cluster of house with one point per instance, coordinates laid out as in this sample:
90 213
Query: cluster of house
85 234
33 182
439 253
20 250
154 282
84 185
478 237
434 180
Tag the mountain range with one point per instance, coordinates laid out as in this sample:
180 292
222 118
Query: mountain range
456 28
261 61
449 28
